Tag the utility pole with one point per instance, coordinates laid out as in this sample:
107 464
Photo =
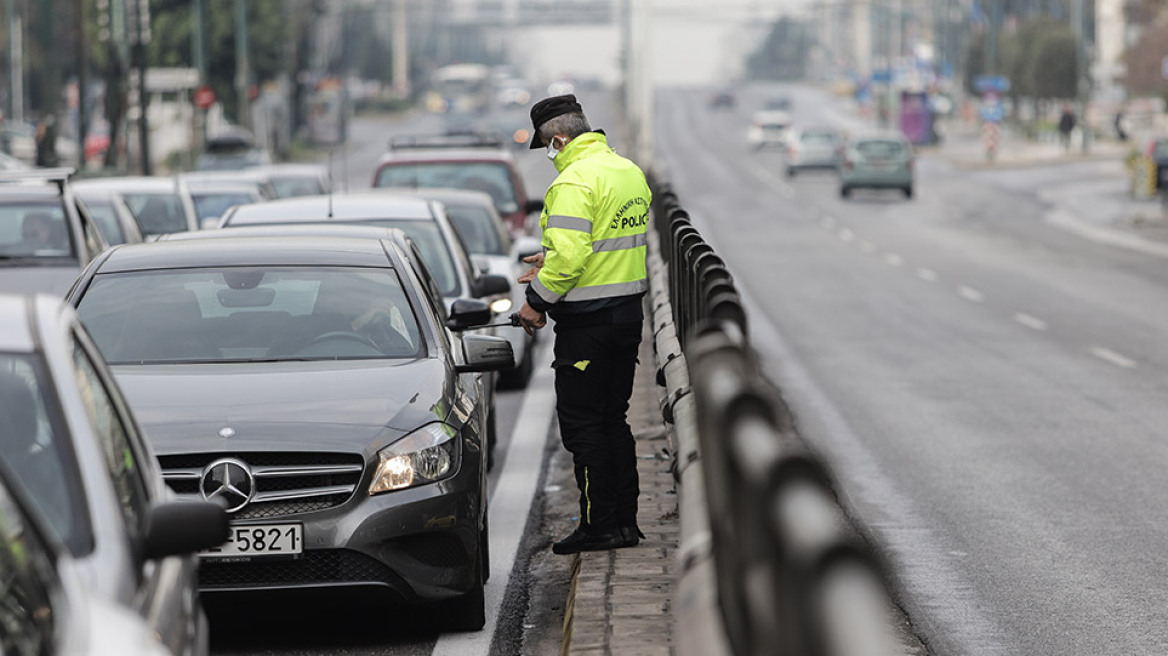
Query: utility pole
1082 75
401 50
199 58
242 65
16 62
639 90
82 83
138 15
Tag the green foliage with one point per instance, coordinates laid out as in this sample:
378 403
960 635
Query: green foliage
783 56
1052 71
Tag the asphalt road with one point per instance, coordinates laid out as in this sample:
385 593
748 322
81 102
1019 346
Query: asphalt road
317 623
989 389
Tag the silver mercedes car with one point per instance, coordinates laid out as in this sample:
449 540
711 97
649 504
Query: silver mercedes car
311 384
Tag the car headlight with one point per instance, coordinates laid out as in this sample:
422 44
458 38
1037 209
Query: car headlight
500 305
426 455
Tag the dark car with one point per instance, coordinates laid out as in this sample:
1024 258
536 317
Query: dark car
73 447
46 235
311 384
474 163
1158 152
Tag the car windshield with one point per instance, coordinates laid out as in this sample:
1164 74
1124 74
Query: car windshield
157 213
35 445
478 228
34 229
881 149
212 205
105 215
291 187
248 314
493 178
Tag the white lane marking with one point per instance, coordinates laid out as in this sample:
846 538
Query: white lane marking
1030 321
846 235
868 247
893 259
1114 358
511 501
777 183
927 274
970 294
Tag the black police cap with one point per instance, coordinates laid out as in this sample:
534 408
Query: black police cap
549 108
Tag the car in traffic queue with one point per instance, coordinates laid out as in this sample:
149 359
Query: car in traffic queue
493 250
876 160
78 455
426 223
811 148
160 204
294 180
44 607
1157 152
474 162
46 235
768 127
213 199
312 385
111 214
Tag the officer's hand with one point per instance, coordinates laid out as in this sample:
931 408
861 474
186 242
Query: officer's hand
531 319
531 273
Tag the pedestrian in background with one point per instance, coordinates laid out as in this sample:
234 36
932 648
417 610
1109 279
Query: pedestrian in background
1066 125
46 142
591 278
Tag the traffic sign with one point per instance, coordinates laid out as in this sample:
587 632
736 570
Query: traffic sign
204 97
991 84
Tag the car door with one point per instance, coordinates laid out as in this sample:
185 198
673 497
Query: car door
166 594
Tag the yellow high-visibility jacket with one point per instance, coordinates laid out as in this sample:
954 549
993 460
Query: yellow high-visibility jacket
594 221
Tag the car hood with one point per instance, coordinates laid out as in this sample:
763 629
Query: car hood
54 280
282 405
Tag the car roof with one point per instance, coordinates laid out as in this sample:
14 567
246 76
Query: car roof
247 251
336 229
427 155
15 329
29 191
448 196
353 207
289 169
134 183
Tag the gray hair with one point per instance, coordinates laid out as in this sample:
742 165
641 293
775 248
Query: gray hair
570 125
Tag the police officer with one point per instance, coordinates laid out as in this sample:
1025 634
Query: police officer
590 278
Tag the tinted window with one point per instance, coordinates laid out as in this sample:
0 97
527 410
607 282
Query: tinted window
884 149
121 459
35 445
250 314
34 229
213 205
106 217
479 229
27 580
157 213
495 179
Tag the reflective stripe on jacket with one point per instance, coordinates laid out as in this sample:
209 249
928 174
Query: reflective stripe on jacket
594 222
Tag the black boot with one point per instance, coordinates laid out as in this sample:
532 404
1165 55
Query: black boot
581 540
631 536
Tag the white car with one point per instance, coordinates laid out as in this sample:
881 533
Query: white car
768 128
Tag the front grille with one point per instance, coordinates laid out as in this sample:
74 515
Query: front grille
314 567
285 483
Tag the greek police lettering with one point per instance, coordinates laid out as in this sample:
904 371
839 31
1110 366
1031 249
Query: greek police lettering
625 217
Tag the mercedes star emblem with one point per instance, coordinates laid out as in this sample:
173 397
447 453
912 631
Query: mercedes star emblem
228 479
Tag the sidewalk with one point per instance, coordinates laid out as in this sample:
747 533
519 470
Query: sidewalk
619 600
963 147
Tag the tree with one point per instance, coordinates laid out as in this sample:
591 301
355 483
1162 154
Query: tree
783 56
1053 70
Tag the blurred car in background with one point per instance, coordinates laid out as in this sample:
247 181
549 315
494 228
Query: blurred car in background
1158 153
477 163
812 148
213 199
74 449
160 204
111 214
768 128
722 100
234 149
294 180
877 160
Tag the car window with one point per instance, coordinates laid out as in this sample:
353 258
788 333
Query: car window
881 149
35 229
435 251
106 218
479 229
291 187
157 213
35 445
27 584
121 458
237 314
491 177
822 138
212 205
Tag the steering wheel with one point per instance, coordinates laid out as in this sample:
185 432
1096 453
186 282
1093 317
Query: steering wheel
342 335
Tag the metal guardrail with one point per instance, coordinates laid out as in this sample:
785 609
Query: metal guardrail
770 563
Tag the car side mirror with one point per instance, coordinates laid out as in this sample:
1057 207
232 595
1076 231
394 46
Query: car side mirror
175 528
491 284
467 313
532 206
526 247
485 353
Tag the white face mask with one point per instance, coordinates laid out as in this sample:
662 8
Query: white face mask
551 150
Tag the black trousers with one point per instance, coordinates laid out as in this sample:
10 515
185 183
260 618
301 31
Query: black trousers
594 380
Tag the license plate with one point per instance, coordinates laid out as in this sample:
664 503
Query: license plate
260 540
